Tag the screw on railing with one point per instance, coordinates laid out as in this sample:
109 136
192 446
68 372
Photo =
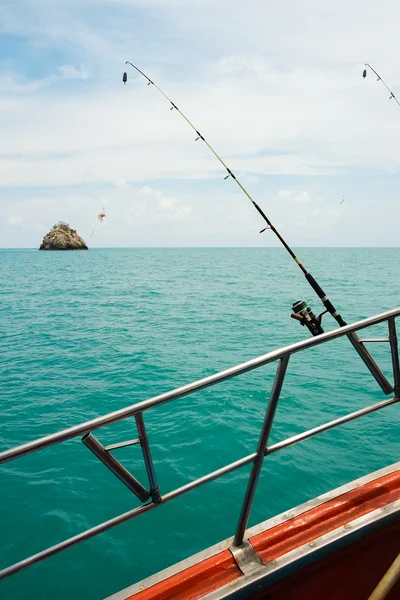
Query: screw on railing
262 444
395 355
148 461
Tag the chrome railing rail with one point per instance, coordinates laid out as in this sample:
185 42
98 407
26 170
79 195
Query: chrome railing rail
256 458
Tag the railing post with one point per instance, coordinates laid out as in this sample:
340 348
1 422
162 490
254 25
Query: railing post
262 444
395 355
148 461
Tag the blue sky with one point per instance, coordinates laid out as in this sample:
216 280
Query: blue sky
275 87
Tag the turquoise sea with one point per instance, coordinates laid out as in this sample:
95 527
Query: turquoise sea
86 333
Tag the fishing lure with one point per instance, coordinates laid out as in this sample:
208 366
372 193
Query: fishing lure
380 79
100 219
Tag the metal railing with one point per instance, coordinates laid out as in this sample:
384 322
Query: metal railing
281 355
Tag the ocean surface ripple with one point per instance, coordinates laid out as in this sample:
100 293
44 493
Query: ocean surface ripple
86 333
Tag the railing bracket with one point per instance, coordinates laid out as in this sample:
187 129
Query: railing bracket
115 467
122 445
246 558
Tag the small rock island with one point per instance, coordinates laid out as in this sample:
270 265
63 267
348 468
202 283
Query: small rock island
62 237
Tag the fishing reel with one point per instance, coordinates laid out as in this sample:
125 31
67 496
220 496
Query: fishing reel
303 313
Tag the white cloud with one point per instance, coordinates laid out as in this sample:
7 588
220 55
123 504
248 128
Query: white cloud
16 221
71 72
262 122
138 216
120 183
313 216
156 216
277 90
295 196
154 203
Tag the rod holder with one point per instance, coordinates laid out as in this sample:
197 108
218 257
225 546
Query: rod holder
115 467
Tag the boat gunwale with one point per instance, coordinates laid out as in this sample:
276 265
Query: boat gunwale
302 555
337 534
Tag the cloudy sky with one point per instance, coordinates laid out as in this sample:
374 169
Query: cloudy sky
276 87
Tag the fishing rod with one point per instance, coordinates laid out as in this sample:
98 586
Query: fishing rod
306 317
380 79
301 310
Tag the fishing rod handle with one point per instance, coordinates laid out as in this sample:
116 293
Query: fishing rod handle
325 300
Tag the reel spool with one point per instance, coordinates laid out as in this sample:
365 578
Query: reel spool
303 313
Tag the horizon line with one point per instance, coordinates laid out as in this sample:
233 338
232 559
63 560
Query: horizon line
185 247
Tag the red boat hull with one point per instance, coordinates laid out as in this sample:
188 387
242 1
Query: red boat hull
337 546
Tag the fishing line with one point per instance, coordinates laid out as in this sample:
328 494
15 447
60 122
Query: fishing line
100 218
94 229
303 314
380 79
301 311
